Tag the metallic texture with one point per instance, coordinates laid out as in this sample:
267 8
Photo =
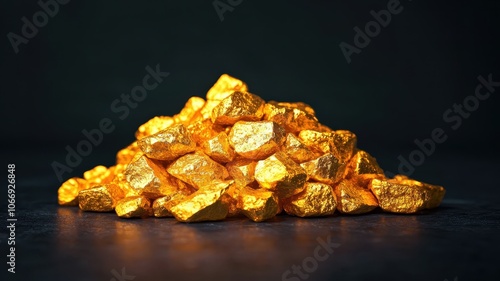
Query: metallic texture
239 106
406 196
354 199
281 174
326 169
168 144
317 199
133 207
100 198
258 204
256 140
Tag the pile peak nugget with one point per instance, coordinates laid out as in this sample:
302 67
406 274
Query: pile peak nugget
233 154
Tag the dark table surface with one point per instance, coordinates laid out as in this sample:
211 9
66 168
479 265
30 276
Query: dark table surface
457 241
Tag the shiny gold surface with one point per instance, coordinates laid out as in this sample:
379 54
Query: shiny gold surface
67 194
204 205
363 163
281 174
168 144
317 199
258 204
256 140
133 207
405 195
198 170
233 154
100 198
326 169
297 150
236 107
294 117
354 199
218 148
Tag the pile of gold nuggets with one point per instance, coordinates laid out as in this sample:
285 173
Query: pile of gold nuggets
233 154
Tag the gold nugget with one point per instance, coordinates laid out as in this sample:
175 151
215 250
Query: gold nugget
233 154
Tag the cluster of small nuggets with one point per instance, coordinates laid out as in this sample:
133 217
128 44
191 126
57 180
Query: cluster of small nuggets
234 154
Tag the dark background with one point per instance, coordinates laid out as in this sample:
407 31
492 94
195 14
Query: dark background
395 91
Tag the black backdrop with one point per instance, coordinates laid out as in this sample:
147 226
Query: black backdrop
395 90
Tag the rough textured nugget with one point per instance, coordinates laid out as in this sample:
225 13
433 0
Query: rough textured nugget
67 194
242 171
326 169
224 87
198 170
343 144
294 117
153 126
161 206
354 199
204 205
256 140
168 144
233 154
149 178
406 196
239 106
190 111
340 143
100 198
133 207
363 163
280 174
297 150
258 204
317 199
218 148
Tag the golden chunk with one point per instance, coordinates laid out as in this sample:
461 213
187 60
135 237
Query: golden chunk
67 194
98 175
204 205
258 204
256 140
125 155
340 143
363 180
101 198
218 148
133 207
281 174
202 130
353 199
242 171
297 150
198 170
344 145
239 106
363 163
149 178
168 144
405 195
326 169
153 126
162 205
317 199
224 87
319 141
190 111
294 117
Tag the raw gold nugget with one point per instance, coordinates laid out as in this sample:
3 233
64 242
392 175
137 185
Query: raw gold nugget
233 154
